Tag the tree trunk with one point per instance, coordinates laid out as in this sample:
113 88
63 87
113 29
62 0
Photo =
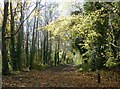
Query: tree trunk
58 49
20 41
41 53
44 49
47 54
50 49
5 68
55 57
32 51
12 40
27 50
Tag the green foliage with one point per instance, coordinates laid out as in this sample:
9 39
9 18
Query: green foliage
111 62
91 7
95 36
94 29
77 58
85 67
38 66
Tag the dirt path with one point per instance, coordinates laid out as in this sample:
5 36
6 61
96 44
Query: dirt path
60 76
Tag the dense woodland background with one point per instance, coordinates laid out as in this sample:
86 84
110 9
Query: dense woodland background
35 36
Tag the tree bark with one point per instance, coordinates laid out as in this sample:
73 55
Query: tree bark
5 68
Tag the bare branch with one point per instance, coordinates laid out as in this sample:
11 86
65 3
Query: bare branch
22 23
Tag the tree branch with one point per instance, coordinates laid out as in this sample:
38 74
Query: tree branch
114 45
21 24
24 21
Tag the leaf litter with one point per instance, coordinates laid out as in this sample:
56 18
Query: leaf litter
61 76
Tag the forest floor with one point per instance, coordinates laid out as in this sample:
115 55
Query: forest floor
61 76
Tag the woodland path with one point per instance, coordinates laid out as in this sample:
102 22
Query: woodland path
60 76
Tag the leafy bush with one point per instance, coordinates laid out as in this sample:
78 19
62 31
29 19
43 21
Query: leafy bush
111 62
77 59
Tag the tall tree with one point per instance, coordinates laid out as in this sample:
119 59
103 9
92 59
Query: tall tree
20 38
32 51
12 40
5 68
27 45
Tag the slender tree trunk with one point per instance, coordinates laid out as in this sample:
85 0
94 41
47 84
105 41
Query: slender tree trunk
44 49
27 50
41 53
5 68
47 53
55 55
20 41
12 40
36 39
50 50
32 51
38 46
58 46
